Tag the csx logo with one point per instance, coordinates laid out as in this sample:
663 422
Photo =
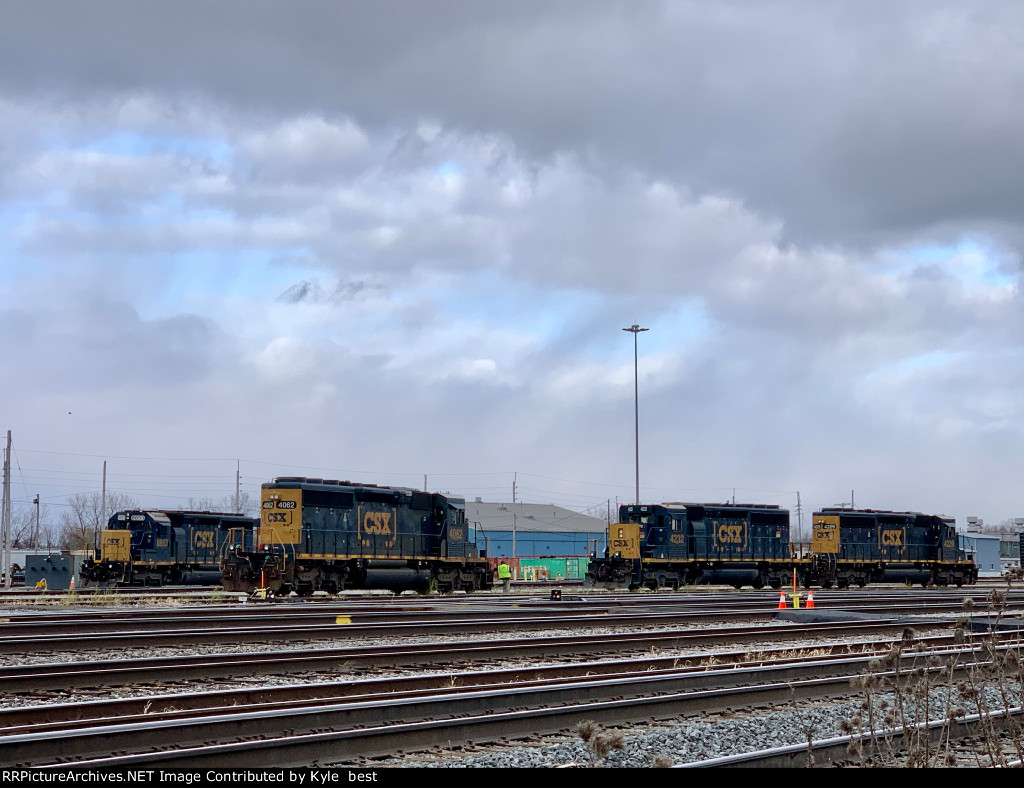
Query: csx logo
730 534
203 539
377 523
276 517
892 538
114 541
621 543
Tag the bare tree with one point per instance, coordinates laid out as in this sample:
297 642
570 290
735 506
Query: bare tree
23 527
84 517
246 504
1007 526
26 534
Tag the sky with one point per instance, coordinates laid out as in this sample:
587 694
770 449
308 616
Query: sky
397 243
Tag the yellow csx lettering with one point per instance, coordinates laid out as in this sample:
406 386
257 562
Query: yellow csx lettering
377 523
892 538
730 534
203 539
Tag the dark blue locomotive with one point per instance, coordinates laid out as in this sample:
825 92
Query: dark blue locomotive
166 547
670 545
325 535
674 544
861 546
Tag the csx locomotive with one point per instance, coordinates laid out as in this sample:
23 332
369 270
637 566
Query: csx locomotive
674 544
165 547
326 535
861 546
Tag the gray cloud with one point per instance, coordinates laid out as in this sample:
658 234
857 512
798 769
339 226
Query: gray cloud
405 237
850 125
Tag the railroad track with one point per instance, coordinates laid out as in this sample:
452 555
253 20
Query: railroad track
325 724
34 678
288 728
46 631
31 643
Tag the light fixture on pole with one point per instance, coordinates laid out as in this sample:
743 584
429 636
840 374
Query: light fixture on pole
634 330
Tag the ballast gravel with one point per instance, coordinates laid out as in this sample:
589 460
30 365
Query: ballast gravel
674 743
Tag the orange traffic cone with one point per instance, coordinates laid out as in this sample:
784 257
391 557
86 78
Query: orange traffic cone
782 601
810 598
72 583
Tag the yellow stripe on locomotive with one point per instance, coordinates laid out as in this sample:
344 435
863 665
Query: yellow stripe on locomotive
280 517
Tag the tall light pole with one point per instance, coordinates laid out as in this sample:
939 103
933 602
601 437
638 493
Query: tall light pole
634 330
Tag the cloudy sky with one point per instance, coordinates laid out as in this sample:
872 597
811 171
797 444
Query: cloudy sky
395 240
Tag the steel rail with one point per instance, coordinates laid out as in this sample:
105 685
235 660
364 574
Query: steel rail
48 676
27 719
376 728
193 630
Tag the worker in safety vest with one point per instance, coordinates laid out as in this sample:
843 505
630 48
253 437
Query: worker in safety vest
505 575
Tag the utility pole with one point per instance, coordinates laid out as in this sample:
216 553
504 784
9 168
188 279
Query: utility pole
799 516
635 330
514 475
852 504
103 508
424 482
5 516
35 539
238 484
